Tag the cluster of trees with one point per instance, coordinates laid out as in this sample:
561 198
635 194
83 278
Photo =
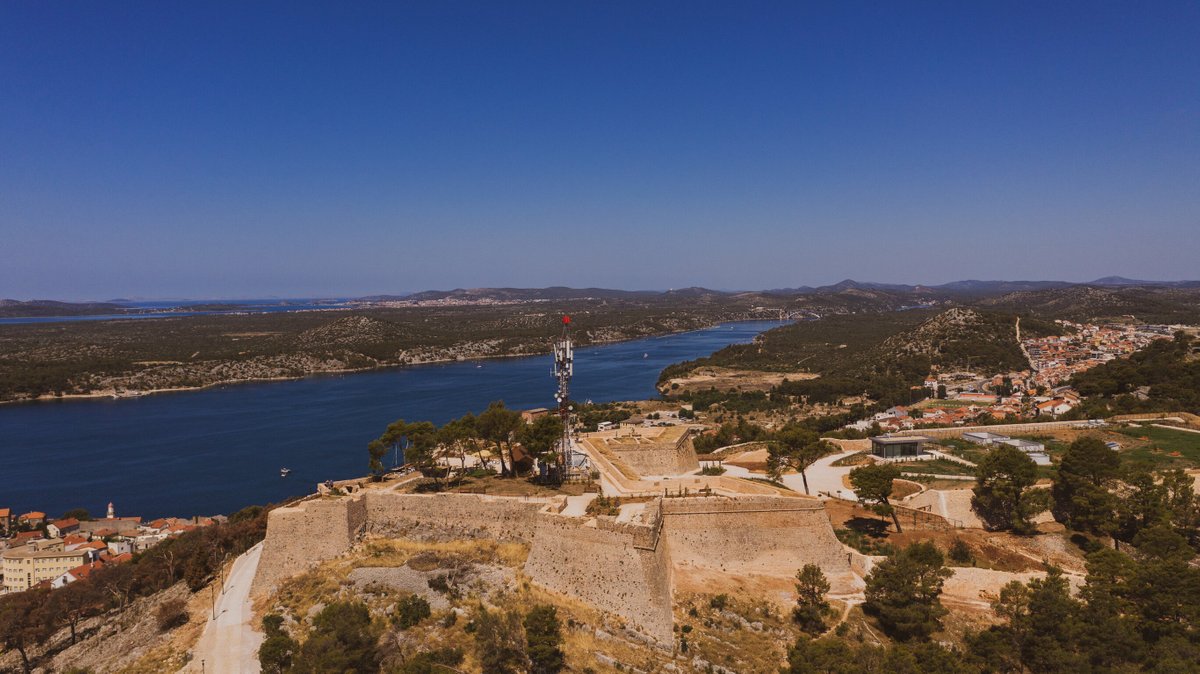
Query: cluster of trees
1168 367
729 433
589 415
493 433
31 620
1093 492
1135 612
345 638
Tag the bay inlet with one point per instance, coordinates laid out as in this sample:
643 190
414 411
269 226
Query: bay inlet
217 450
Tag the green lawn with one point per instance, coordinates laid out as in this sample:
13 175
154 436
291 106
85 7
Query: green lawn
937 467
963 449
1156 451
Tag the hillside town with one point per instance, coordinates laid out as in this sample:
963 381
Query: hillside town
39 552
960 398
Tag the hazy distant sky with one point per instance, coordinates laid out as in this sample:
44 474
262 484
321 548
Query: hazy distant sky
205 149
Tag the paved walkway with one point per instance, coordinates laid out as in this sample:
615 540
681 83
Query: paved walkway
577 505
230 642
823 476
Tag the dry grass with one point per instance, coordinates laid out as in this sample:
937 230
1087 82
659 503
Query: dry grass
586 630
744 633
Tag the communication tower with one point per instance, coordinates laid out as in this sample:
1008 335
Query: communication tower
564 367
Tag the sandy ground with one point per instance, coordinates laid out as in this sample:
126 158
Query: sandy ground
230 643
822 475
577 505
728 378
954 505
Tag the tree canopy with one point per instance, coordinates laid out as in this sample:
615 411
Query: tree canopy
1002 495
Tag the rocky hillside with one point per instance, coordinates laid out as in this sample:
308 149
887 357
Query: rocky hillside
958 338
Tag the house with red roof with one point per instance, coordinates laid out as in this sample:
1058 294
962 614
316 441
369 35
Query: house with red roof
60 528
26 536
78 573
94 549
74 540
33 518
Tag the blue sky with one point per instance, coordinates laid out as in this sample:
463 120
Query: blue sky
170 149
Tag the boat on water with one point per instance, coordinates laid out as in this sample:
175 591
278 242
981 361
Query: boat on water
645 355
283 472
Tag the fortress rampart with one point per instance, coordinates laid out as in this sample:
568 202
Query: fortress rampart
752 534
453 515
623 566
302 535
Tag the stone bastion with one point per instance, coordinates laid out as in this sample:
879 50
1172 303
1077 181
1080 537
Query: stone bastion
653 451
620 565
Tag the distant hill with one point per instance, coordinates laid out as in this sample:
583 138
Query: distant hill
1121 281
529 294
39 308
1151 304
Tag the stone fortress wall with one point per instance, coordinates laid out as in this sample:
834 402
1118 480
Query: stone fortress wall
624 567
657 451
752 535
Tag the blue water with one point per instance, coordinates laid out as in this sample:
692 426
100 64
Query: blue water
217 450
177 309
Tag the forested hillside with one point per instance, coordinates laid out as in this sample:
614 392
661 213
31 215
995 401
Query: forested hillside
1170 368
882 355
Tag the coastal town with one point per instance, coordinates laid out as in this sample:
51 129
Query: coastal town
41 552
1041 392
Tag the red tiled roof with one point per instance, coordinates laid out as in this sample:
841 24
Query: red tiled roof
33 515
85 570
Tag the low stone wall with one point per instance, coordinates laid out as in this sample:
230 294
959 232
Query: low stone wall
752 534
607 565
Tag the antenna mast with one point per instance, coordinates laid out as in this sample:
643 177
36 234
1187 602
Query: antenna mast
564 367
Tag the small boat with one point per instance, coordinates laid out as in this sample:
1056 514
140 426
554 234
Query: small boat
645 355
283 472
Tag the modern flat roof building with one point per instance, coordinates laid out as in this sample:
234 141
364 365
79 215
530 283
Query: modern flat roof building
1027 446
983 438
897 446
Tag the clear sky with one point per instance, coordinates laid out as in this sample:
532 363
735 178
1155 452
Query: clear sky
245 149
